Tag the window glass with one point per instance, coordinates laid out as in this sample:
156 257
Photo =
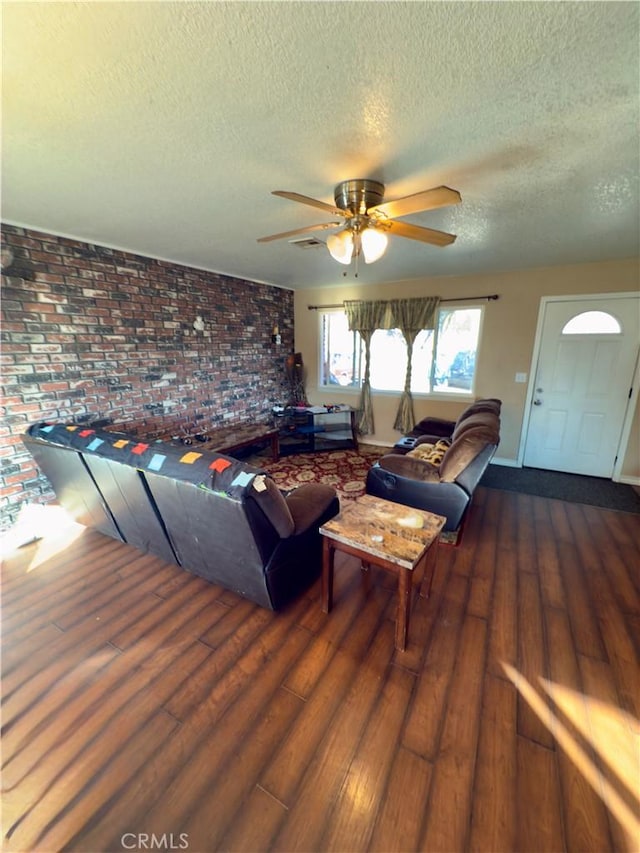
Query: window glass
592 323
388 360
340 351
456 348
443 359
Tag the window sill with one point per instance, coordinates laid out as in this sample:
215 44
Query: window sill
454 396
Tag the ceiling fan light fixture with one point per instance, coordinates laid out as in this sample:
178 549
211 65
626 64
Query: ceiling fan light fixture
340 246
374 244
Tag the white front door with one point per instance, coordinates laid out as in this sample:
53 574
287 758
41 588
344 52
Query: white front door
586 360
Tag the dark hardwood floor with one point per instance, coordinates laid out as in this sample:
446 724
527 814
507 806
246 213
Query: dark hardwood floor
140 700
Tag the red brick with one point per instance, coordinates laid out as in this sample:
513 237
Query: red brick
39 307
54 386
50 278
42 348
53 298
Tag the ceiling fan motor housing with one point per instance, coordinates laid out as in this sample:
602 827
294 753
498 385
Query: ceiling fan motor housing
358 195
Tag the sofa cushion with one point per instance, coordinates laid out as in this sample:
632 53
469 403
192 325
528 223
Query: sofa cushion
432 453
437 427
407 466
272 503
307 503
482 423
463 451
491 404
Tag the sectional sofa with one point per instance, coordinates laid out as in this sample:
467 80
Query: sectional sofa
210 514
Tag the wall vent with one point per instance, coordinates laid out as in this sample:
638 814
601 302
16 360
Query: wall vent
308 243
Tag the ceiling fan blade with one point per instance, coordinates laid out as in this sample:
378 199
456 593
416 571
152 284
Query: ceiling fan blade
314 202
284 234
417 232
426 200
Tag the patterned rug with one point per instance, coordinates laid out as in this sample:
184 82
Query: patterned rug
345 470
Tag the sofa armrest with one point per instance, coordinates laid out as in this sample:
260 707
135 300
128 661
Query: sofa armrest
308 503
447 499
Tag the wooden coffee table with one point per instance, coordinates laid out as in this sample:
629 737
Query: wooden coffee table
232 438
378 532
228 439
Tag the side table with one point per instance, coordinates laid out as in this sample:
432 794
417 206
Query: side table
384 534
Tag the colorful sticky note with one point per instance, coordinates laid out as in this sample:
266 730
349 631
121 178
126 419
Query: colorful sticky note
242 479
72 428
120 443
47 428
95 444
157 461
86 432
220 465
190 458
139 448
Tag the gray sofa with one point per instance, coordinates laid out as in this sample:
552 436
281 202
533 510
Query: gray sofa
438 465
212 515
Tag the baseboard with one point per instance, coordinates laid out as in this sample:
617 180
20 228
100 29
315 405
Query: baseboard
375 443
507 463
629 481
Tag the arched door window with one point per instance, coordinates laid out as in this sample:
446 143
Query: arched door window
592 323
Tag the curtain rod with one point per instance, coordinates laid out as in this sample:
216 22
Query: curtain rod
490 298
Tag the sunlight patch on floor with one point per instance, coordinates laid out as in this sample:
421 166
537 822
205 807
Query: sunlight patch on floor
606 731
47 529
611 732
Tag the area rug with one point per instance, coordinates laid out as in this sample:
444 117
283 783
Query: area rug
345 470
576 488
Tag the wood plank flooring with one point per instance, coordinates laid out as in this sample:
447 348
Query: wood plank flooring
144 708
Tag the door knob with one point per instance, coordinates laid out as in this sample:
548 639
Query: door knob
537 402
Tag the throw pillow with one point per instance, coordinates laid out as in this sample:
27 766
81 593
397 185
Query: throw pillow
433 453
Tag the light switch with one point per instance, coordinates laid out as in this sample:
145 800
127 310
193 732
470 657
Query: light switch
521 377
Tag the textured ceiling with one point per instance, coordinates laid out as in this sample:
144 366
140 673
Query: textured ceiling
162 128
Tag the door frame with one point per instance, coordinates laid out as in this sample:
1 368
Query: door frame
533 369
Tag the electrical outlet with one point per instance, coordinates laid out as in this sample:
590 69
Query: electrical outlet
521 377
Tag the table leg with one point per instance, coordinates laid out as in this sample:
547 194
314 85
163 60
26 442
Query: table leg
404 605
430 565
365 569
275 447
328 553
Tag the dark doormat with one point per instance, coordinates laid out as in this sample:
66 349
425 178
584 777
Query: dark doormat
595 491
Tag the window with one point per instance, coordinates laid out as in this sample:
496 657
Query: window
443 360
341 351
592 323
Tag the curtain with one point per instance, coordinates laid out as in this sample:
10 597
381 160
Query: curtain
365 318
410 316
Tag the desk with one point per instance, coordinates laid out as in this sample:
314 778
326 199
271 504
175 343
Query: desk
373 530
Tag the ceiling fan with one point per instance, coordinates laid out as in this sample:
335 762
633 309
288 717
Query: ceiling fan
367 219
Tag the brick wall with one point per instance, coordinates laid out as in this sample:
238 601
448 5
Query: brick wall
92 334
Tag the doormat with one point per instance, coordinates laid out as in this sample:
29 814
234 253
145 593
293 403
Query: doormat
595 491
